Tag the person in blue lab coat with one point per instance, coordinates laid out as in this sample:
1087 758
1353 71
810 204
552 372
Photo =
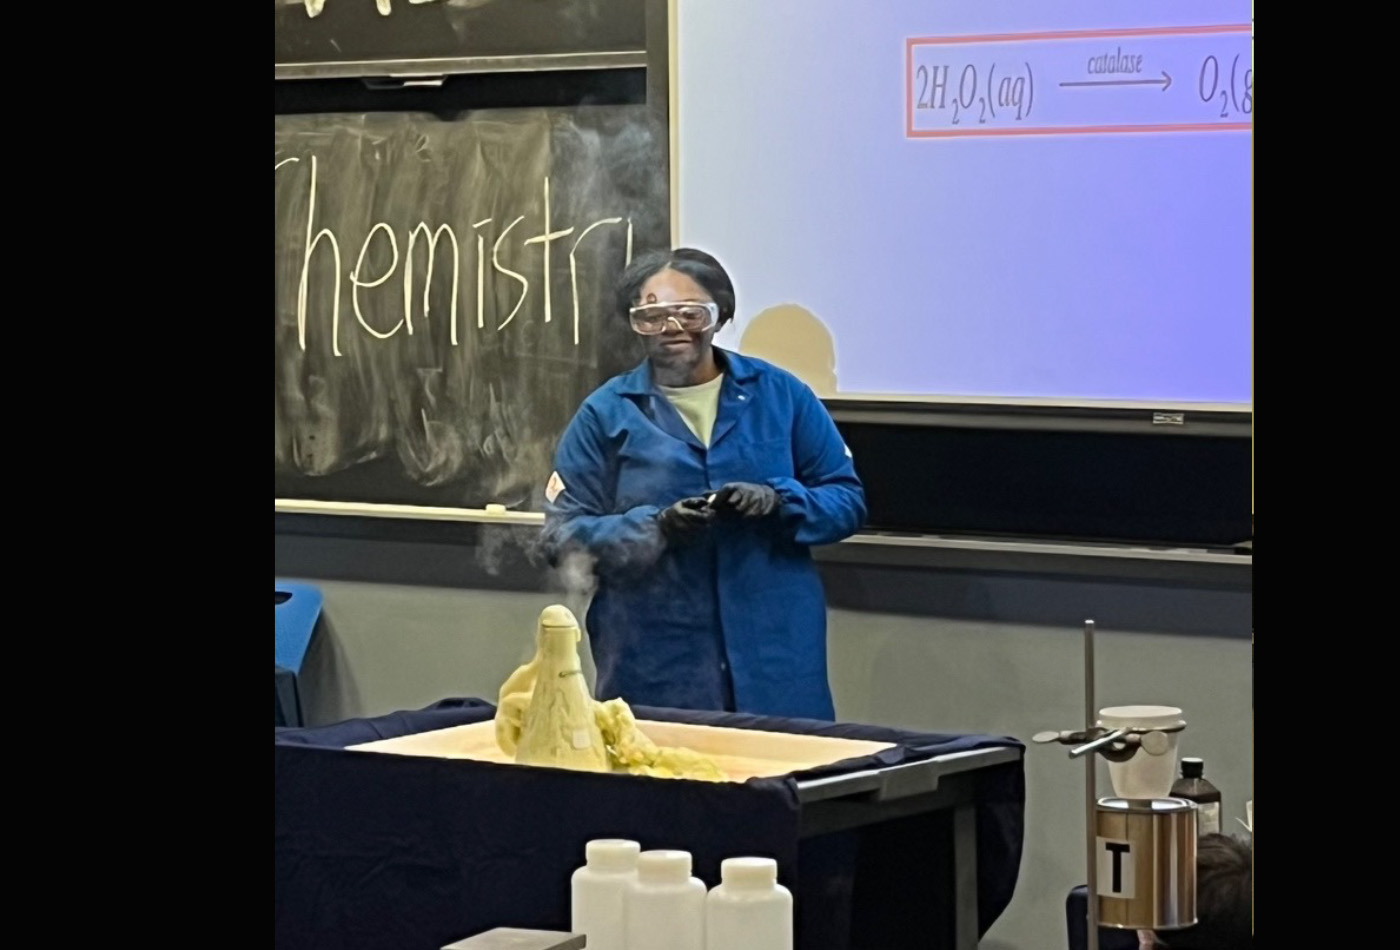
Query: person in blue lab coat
695 485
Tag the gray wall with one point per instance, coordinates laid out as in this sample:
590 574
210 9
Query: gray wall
935 649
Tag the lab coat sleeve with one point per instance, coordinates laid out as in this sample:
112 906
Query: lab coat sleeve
580 518
826 501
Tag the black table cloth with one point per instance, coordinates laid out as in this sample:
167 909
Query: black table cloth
393 852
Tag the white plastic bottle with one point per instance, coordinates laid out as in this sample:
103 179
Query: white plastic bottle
749 910
599 889
665 906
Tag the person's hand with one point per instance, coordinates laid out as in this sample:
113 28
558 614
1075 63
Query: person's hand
685 519
746 499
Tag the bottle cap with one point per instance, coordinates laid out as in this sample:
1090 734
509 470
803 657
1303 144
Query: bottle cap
1193 768
753 872
663 865
612 854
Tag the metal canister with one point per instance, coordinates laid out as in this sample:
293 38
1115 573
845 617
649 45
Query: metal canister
1146 863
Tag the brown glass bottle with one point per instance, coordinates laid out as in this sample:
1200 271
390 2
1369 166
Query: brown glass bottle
1195 787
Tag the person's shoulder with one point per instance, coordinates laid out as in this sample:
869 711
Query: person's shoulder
752 367
604 406
615 388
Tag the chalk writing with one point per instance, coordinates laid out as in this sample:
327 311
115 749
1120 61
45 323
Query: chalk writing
445 294
432 235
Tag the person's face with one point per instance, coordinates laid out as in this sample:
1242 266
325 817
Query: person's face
675 348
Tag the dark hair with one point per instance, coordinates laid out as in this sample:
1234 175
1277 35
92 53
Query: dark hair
1224 898
697 265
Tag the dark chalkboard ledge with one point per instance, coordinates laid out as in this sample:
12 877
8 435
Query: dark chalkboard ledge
1210 567
1226 569
420 70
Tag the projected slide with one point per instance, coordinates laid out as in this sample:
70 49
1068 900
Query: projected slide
962 201
1082 77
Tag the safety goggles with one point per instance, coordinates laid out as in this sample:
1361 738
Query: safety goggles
690 316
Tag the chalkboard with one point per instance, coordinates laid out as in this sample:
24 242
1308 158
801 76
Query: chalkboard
443 294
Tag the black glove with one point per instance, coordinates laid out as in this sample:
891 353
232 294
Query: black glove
746 499
685 519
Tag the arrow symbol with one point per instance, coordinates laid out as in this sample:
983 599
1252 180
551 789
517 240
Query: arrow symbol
1165 82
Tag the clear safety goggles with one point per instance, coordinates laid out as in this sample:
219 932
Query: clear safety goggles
689 316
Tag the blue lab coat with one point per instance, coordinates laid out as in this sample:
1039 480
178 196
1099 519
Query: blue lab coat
736 619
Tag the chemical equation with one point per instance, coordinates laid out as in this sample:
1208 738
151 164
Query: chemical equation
1233 93
1178 79
972 100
